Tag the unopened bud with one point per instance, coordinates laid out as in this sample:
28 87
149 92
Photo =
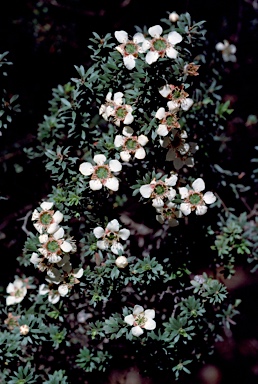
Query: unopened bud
121 262
173 17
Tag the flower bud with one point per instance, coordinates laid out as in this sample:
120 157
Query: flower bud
121 262
24 329
173 17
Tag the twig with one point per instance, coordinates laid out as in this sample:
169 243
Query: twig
25 218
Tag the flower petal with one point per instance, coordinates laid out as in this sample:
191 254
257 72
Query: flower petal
121 36
146 190
151 57
118 98
150 324
58 217
99 159
129 319
46 205
66 247
124 233
52 228
186 104
86 169
63 289
198 185
138 309
150 313
95 185
209 198
138 38
78 272
10 300
129 61
115 165
173 106
119 141
113 226
137 331
162 130
98 232
155 31
112 183
128 118
143 140
117 248
59 234
160 113
125 156
102 244
127 131
171 53
201 210
140 153
174 37
185 208
171 181
184 192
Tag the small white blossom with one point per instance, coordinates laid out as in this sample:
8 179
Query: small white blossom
228 51
129 49
194 199
46 219
53 295
131 145
110 236
24 329
101 174
17 291
160 46
159 190
141 319
121 262
177 96
168 121
116 110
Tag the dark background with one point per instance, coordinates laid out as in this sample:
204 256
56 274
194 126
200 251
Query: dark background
45 39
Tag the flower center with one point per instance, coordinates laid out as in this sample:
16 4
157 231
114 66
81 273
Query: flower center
130 48
170 120
159 189
52 246
160 44
102 172
111 236
131 144
18 293
195 198
140 320
45 218
121 112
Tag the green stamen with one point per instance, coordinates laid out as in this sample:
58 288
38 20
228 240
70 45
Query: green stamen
45 218
160 45
102 173
52 246
121 113
130 48
159 189
131 144
170 120
195 198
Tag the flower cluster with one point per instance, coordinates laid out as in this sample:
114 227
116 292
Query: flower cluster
156 46
141 319
16 291
53 254
227 50
131 145
115 110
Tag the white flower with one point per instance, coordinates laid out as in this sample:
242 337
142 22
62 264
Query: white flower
194 199
141 319
168 121
53 295
54 246
115 109
24 329
101 174
121 262
129 49
131 145
159 190
160 46
46 219
17 291
110 236
228 51
173 17
177 96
